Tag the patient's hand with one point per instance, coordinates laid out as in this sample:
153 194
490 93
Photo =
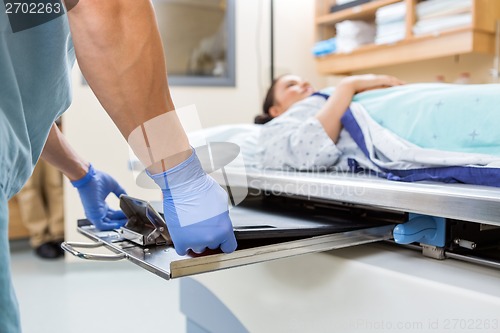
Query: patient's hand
366 82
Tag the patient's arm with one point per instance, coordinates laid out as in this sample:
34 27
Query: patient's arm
331 113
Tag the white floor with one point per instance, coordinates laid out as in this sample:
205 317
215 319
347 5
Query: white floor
348 290
59 297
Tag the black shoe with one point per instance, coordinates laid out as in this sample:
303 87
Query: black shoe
48 251
57 244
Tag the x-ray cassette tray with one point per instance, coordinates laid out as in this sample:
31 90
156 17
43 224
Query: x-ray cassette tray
263 234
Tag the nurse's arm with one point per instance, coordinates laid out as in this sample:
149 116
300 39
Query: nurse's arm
93 185
120 53
59 153
335 107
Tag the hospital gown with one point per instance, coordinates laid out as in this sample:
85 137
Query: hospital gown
297 141
35 65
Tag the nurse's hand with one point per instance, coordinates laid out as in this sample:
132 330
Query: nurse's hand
195 209
94 188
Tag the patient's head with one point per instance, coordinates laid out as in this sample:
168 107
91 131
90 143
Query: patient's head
285 91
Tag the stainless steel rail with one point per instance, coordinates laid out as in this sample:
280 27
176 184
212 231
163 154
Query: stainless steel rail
479 204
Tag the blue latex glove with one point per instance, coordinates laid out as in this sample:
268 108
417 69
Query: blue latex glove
195 209
94 188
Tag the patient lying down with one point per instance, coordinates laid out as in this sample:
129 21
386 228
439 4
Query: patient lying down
379 124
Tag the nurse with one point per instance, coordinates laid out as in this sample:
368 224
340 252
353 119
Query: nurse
119 51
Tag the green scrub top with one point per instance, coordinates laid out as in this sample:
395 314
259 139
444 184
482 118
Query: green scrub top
35 67
35 89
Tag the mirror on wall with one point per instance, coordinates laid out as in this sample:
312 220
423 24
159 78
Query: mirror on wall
199 41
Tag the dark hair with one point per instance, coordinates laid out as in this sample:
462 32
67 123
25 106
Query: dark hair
269 101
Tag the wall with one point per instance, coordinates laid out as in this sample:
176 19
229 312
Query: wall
94 136
295 37
203 22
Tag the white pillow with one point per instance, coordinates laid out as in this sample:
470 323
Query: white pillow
246 136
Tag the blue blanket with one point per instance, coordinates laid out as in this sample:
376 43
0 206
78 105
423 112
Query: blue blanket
430 131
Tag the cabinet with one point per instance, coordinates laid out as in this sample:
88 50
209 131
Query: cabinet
476 37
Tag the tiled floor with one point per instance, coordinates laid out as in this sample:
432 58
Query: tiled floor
59 297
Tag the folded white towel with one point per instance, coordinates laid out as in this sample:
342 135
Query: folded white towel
355 28
437 24
390 32
390 28
391 13
389 39
352 34
436 8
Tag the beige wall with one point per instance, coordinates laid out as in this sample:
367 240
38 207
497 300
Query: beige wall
294 38
201 22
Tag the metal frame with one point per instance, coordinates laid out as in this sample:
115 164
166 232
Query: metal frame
166 263
230 79
472 203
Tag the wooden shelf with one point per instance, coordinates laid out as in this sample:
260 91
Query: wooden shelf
459 41
478 37
354 13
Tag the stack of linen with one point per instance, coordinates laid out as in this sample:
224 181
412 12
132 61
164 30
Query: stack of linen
434 16
353 34
391 24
